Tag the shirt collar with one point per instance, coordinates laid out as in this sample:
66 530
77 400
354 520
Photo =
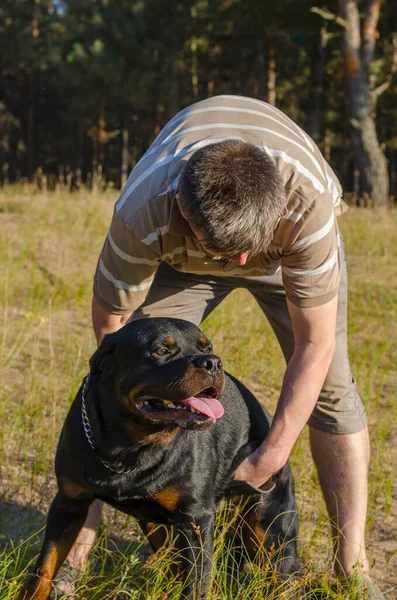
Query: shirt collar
177 225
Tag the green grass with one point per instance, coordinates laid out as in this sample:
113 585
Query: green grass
49 245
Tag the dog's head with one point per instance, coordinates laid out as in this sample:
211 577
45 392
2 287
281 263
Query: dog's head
163 372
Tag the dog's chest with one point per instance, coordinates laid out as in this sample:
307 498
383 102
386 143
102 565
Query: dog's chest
161 506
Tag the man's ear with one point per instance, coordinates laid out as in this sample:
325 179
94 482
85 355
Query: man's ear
102 361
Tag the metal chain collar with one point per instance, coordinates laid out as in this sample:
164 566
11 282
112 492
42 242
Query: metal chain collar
84 416
88 430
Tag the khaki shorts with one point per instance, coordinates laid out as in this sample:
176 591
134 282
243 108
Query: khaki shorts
339 408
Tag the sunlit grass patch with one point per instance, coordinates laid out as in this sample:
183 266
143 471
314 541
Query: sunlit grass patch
49 245
131 573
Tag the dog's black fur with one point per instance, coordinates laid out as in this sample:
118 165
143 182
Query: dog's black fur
165 466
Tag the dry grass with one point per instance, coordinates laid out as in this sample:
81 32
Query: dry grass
48 251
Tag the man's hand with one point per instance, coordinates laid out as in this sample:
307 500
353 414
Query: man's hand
258 467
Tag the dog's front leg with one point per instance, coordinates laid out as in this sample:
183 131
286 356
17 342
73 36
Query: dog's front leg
65 519
196 544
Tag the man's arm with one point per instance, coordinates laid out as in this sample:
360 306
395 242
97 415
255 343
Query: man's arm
125 270
314 334
105 322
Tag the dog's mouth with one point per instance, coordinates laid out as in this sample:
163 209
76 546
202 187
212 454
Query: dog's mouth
200 408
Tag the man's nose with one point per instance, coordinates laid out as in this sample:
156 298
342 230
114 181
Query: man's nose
241 259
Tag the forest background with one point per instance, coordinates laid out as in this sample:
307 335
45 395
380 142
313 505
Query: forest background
86 86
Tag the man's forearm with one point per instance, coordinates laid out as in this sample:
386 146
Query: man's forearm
104 322
302 384
314 335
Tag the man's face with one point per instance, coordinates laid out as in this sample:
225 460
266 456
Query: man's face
239 259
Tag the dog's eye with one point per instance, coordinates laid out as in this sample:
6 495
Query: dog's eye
208 350
162 351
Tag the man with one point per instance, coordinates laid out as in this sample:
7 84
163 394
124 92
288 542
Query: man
233 194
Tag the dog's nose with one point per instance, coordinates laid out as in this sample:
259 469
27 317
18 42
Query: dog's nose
210 363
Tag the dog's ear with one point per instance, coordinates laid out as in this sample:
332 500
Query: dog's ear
102 361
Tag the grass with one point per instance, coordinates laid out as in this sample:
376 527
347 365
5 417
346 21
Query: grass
49 245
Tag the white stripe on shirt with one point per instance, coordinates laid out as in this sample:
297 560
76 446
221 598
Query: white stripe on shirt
145 261
173 186
315 237
214 140
249 128
157 165
155 235
122 285
278 112
327 266
128 191
128 258
292 216
228 109
298 165
333 190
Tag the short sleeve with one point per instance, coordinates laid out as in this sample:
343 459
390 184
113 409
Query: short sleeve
310 254
126 268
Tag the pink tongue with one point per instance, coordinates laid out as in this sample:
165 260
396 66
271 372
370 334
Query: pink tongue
206 405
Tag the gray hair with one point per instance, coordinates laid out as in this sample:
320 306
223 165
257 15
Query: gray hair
233 194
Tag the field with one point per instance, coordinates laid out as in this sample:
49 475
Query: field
49 245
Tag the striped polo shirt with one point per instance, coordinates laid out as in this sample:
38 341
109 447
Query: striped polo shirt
147 227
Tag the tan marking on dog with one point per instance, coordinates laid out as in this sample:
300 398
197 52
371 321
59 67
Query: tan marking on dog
151 526
157 534
70 488
168 498
260 534
204 341
49 566
159 437
39 587
135 390
171 341
142 435
253 533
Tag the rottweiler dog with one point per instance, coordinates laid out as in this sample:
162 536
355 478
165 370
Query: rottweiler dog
156 430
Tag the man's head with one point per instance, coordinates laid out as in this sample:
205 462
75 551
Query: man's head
232 195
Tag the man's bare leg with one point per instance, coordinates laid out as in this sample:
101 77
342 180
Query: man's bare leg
77 557
342 464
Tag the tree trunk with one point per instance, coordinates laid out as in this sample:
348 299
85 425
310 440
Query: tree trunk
358 52
173 102
271 70
393 174
124 153
193 49
30 133
316 99
5 174
31 106
260 74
